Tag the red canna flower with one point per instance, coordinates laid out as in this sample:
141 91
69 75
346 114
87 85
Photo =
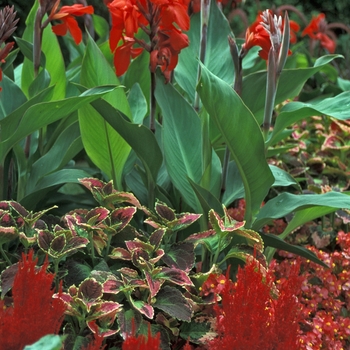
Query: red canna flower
123 53
34 312
257 35
141 342
317 30
161 20
66 15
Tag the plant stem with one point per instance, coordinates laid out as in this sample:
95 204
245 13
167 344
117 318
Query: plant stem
205 6
153 104
4 255
92 249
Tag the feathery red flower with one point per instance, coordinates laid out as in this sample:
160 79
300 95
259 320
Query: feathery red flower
66 14
251 315
34 312
141 342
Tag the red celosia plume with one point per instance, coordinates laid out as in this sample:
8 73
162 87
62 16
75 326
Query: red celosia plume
141 342
252 317
34 313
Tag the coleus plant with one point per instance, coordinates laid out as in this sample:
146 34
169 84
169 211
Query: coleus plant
133 274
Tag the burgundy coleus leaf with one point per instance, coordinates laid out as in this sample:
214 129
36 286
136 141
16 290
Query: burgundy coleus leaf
58 244
159 253
156 237
253 238
29 217
102 309
126 271
343 214
137 244
180 256
333 142
6 219
121 217
166 213
90 291
142 307
173 302
96 216
120 253
7 277
112 286
4 205
174 275
7 234
154 284
183 220
227 224
197 238
102 331
91 183
140 258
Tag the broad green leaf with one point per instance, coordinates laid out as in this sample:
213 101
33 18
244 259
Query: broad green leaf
274 241
305 215
106 148
138 104
48 182
8 103
282 178
337 107
242 135
287 203
195 330
290 84
140 138
48 342
54 58
181 141
217 54
206 199
12 120
138 72
101 27
67 145
17 126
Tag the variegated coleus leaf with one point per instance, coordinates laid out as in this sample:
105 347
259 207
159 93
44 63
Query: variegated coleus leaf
119 218
181 256
173 302
103 309
334 142
166 217
110 283
60 242
6 219
227 224
142 307
28 216
208 238
156 237
7 234
153 284
106 195
173 275
253 238
120 253
99 326
137 244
